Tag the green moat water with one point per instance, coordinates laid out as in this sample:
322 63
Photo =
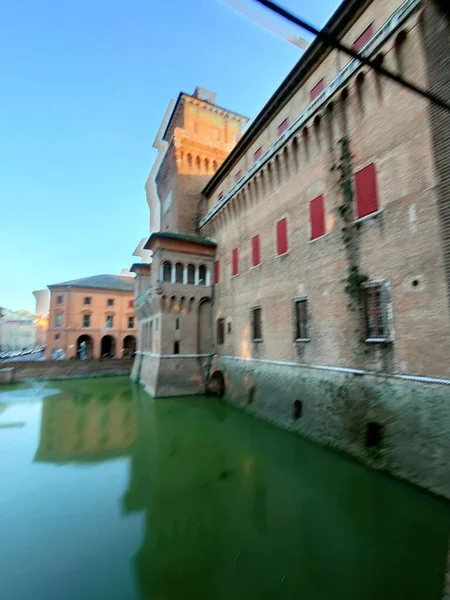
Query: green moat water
108 494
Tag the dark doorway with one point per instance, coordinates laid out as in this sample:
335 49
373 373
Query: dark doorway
108 347
129 346
85 347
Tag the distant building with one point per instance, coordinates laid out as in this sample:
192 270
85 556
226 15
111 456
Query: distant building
98 311
41 314
17 330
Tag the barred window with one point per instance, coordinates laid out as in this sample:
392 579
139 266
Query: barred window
375 303
220 331
256 319
301 324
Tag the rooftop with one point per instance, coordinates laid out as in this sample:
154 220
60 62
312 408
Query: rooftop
182 237
102 282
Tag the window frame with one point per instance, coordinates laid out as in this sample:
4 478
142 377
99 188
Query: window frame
88 315
281 128
217 271
297 323
128 322
257 153
87 301
58 315
234 253
112 322
384 312
59 300
356 172
277 253
253 311
110 302
258 238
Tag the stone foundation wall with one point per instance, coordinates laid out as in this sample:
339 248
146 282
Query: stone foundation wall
64 369
390 424
169 375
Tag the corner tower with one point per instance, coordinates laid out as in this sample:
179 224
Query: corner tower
198 137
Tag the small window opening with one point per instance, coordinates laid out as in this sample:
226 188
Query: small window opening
229 327
177 323
374 434
176 347
297 409
415 282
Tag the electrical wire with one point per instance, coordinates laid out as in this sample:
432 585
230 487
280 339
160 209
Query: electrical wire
332 41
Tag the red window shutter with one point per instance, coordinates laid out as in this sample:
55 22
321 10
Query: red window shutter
238 175
282 238
366 191
317 217
130 303
317 89
217 271
220 195
256 252
258 154
235 262
283 126
363 38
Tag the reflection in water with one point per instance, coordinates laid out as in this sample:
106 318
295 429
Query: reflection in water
237 509
227 507
87 426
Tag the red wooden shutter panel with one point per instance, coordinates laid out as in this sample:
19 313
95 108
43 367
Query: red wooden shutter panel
317 217
258 154
283 126
238 175
217 271
235 262
317 89
363 38
366 191
256 255
282 239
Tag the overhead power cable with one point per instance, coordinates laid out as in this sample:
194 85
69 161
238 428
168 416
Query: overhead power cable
330 40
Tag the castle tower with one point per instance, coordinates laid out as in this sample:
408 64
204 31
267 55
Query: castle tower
173 295
198 137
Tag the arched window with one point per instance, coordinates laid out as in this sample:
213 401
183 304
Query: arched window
191 274
176 347
295 152
198 163
189 161
179 273
167 271
214 166
202 275
206 165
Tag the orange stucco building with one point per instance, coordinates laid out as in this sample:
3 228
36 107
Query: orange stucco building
98 311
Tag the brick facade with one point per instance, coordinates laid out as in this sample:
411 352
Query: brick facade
342 181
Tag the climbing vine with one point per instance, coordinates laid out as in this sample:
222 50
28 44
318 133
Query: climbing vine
350 230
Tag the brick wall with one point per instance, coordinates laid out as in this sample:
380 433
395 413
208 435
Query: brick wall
436 27
66 369
390 127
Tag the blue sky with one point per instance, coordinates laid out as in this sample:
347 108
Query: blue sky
85 84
